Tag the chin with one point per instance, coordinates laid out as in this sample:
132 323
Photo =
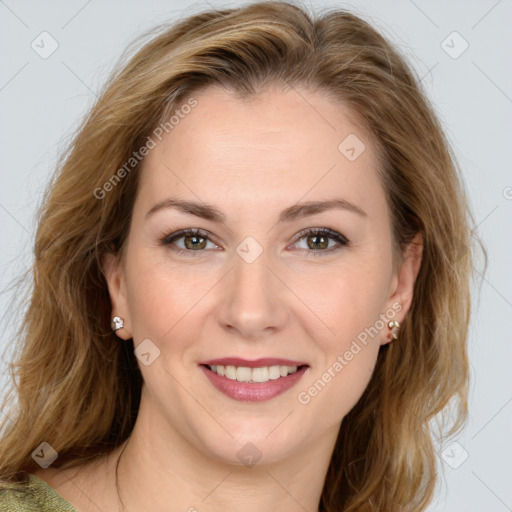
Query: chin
253 445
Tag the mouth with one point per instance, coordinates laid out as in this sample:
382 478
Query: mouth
253 383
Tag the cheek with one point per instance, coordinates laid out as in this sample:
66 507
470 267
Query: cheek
347 299
169 301
159 296
351 304
333 393
348 357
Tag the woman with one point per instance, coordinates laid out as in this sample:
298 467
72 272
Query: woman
251 281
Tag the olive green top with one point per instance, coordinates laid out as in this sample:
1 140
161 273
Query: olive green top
34 496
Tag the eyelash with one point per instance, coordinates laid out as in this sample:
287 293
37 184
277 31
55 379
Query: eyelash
329 233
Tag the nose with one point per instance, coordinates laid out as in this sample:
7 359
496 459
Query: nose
254 297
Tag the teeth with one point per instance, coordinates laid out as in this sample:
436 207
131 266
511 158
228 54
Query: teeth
260 374
245 374
274 372
231 372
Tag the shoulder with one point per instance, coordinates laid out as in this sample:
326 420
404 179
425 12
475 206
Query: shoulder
33 495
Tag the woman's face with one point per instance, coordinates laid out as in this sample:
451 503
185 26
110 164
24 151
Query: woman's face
257 285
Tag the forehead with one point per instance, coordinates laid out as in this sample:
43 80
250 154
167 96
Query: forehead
278 146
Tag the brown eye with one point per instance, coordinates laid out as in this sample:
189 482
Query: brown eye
194 241
318 241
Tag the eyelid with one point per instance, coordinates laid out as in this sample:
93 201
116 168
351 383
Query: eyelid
168 237
322 231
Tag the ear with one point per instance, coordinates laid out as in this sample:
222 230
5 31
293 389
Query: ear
402 285
115 275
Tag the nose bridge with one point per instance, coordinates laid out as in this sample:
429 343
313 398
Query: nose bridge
254 298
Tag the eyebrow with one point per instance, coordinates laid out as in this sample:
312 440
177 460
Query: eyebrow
290 214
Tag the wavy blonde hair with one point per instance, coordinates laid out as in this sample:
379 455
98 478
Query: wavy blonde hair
78 388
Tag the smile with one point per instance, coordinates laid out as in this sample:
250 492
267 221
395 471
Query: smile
245 374
258 384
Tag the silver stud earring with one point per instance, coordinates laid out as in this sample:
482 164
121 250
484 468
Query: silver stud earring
117 323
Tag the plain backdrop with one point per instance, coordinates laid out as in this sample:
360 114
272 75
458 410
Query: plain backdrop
462 51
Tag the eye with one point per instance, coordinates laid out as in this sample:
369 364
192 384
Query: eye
317 241
194 240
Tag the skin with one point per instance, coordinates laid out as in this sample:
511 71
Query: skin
251 159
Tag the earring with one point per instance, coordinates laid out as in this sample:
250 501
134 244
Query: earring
394 327
117 323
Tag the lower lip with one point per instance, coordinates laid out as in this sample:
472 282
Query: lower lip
256 391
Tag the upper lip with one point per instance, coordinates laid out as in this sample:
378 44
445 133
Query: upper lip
257 363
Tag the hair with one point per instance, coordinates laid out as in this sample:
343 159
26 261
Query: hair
79 388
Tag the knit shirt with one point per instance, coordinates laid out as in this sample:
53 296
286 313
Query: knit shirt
34 496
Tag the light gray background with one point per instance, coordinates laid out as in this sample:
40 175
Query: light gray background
43 100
